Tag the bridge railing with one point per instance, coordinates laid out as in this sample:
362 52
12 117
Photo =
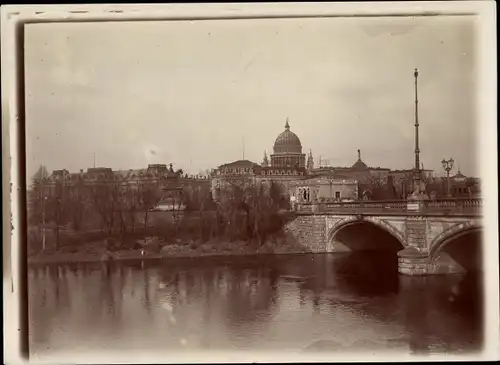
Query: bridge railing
437 206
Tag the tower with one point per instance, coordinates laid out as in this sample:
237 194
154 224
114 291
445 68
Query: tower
265 162
310 162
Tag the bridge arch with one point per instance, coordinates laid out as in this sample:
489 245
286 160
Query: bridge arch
391 233
467 257
451 234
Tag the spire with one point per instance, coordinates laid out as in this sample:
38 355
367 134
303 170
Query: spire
310 162
243 146
287 126
359 155
265 162
459 173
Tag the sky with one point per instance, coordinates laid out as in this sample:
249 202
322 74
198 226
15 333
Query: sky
199 94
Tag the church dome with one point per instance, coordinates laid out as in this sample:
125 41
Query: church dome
359 164
287 142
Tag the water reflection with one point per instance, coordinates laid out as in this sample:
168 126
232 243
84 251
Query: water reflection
303 302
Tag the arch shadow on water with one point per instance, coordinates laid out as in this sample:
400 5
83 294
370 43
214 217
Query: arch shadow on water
369 265
450 307
464 248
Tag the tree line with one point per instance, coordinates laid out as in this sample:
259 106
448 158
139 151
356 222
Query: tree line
113 207
120 208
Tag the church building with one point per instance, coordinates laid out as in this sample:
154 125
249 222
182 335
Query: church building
287 167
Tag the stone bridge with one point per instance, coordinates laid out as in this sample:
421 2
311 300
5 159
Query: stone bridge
421 233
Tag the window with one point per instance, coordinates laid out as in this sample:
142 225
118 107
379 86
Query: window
337 195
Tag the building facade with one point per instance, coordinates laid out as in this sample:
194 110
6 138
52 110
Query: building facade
324 189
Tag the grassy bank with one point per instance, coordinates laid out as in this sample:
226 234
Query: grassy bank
156 248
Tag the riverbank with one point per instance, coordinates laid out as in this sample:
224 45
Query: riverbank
96 251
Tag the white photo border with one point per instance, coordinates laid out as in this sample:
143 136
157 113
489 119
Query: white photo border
14 289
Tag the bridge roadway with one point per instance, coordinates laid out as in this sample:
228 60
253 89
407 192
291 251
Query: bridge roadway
424 229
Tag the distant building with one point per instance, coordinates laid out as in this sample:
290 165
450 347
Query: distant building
359 171
286 168
158 175
400 181
324 189
463 186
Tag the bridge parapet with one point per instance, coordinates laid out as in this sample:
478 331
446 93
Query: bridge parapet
455 206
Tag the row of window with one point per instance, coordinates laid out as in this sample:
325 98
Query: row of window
238 170
460 190
263 172
117 177
283 172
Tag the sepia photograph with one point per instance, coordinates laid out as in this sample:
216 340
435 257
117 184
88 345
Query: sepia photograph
306 185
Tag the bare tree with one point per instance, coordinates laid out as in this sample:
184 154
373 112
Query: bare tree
250 211
131 197
105 200
36 210
58 209
36 195
77 203
148 196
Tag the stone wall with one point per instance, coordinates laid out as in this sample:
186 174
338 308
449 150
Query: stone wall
309 232
416 233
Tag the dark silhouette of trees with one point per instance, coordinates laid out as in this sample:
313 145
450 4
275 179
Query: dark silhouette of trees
36 196
58 209
77 202
250 212
148 196
246 212
105 202
131 205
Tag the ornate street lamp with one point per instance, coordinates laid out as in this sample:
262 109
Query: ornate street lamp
447 166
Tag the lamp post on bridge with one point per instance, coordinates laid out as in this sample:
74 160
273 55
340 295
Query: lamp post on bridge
447 166
418 183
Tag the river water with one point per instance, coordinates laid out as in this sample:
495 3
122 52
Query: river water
298 303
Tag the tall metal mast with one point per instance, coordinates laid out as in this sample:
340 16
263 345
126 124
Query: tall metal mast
417 149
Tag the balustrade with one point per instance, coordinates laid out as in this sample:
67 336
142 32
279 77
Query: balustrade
445 206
